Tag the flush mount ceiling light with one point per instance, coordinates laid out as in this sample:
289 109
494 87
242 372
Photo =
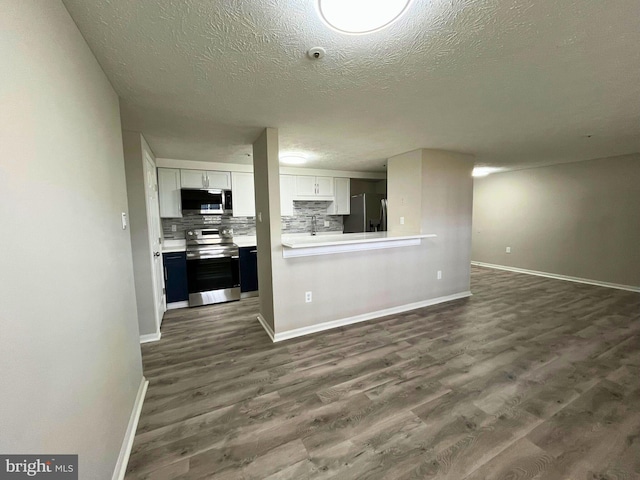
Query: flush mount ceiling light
361 16
484 171
293 159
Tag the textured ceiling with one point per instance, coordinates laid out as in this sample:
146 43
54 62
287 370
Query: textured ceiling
515 82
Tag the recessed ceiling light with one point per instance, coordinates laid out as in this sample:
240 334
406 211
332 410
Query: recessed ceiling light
484 171
293 159
361 16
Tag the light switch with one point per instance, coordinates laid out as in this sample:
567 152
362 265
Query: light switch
124 221
401 220
327 223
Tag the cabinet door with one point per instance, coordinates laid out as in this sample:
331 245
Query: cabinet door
287 194
175 276
324 186
192 179
244 204
341 204
305 186
248 269
215 179
169 192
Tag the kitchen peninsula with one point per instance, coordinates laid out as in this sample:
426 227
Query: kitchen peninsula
309 245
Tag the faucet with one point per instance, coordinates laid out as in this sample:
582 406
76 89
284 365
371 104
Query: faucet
314 228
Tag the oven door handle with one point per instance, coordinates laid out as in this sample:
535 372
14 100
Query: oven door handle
194 256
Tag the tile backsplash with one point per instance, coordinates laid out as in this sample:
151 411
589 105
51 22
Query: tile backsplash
300 221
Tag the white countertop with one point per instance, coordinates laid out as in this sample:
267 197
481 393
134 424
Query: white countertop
296 241
308 245
245 241
324 243
172 246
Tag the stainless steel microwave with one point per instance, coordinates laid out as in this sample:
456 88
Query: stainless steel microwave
206 201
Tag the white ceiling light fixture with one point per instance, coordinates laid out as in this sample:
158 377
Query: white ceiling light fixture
361 16
484 171
293 159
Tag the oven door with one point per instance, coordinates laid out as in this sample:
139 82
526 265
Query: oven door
212 279
203 202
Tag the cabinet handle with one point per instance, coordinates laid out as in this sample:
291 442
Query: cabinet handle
253 251
165 274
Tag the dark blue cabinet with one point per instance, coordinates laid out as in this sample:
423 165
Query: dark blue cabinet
175 276
248 269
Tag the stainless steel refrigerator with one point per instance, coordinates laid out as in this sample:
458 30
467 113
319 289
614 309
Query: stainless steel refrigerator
368 213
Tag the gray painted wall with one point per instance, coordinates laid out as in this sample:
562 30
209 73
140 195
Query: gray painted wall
266 174
70 364
578 219
350 284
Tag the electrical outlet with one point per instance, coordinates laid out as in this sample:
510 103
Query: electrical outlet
174 228
327 223
401 220
439 274
508 249
307 297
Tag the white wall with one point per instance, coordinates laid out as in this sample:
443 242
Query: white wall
70 364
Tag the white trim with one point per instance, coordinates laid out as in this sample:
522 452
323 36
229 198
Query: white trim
127 444
150 337
598 283
266 327
249 294
175 305
299 332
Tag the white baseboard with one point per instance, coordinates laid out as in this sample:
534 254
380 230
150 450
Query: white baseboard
558 277
150 337
175 305
127 444
266 327
299 332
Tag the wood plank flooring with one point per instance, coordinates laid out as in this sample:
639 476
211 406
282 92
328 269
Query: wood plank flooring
531 378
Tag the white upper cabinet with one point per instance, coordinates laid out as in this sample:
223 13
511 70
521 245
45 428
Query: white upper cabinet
192 179
169 192
341 204
205 179
305 186
325 186
287 194
244 204
314 188
218 180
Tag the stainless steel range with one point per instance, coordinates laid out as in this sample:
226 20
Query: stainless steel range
213 269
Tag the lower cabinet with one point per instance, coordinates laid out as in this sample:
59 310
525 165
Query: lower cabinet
175 276
248 269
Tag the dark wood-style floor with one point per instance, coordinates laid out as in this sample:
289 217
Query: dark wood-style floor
531 378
